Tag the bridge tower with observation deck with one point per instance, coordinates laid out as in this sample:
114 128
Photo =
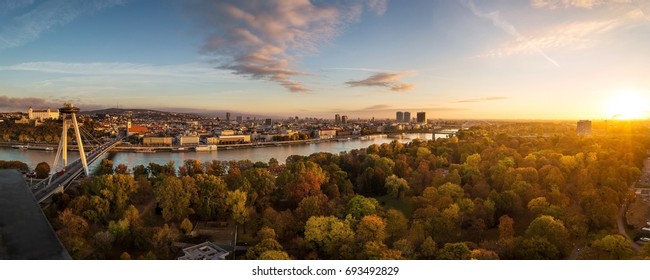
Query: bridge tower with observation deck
69 115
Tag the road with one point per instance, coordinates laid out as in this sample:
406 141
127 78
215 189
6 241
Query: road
621 227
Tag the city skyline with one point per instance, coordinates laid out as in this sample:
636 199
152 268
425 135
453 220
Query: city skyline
539 59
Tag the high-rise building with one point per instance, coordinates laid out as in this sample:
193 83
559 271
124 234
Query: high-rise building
422 117
337 118
239 119
344 119
584 128
227 116
268 122
407 116
399 117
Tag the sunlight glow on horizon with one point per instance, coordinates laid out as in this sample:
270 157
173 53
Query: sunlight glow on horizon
627 105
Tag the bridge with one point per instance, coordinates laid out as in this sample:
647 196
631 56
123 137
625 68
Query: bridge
58 182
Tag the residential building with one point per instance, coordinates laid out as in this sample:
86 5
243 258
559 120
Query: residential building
422 117
337 118
584 128
344 119
407 116
399 117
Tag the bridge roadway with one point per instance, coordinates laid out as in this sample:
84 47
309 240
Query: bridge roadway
58 182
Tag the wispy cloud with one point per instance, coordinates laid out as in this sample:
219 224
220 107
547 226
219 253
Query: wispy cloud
585 4
574 35
45 16
264 39
504 25
491 98
22 103
113 68
387 80
378 107
7 6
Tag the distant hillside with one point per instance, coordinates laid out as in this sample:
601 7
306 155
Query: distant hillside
113 111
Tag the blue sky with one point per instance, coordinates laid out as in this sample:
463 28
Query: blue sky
539 59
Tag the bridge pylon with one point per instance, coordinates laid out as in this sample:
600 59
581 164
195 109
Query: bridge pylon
69 114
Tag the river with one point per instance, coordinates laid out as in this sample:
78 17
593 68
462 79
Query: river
131 159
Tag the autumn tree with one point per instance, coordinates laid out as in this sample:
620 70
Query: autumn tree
210 200
328 234
236 201
174 197
301 179
42 170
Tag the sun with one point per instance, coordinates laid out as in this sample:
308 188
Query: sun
627 106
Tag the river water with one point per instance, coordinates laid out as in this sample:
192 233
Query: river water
131 159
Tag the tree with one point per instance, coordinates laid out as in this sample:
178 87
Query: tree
301 179
174 198
186 226
371 228
396 186
538 205
551 229
262 184
236 200
274 255
613 247
428 249
359 206
163 239
121 169
483 254
396 224
72 233
42 170
211 196
506 227
536 248
454 251
328 234
105 167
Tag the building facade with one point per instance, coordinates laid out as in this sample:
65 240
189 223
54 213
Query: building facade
42 114
399 117
584 128
422 117
407 116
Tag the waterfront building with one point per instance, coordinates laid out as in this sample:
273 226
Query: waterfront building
188 140
326 133
157 141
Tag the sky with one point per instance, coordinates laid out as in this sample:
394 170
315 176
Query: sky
454 59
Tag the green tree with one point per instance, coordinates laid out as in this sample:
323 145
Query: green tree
536 248
105 167
328 234
396 186
454 251
551 229
359 206
613 247
428 249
